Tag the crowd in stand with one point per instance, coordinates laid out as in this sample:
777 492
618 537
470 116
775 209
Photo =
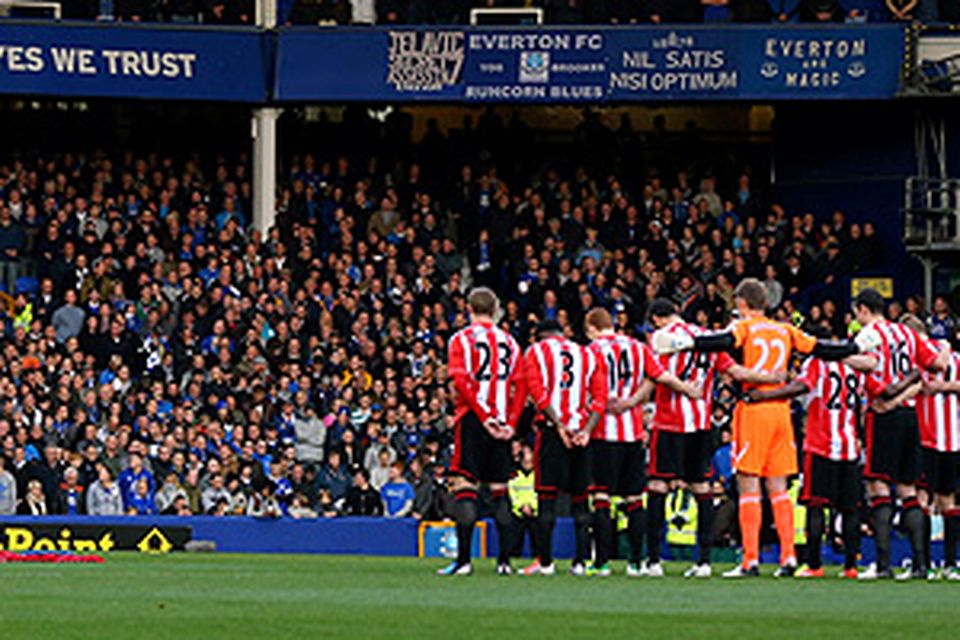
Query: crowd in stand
365 12
159 355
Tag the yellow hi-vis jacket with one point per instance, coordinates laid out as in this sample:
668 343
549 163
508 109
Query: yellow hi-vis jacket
522 492
681 515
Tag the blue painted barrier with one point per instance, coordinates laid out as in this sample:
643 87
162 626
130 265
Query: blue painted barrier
351 536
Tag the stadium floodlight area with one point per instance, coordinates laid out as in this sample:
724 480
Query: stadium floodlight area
516 16
30 9
932 208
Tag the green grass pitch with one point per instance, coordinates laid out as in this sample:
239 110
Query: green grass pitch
282 596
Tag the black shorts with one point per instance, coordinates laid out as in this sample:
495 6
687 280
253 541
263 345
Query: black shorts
680 455
617 468
940 471
559 469
477 455
831 483
893 446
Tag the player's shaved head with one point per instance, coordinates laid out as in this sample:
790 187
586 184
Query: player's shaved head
549 328
599 319
752 292
915 323
483 302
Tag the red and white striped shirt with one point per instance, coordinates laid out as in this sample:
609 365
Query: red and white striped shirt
900 351
627 362
484 363
833 409
568 377
674 411
938 413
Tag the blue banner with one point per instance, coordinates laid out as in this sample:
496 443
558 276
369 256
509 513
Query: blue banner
590 64
133 62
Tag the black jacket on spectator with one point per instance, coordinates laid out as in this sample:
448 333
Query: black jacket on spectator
363 502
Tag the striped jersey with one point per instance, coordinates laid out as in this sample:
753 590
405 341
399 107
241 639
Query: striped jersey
937 413
484 363
568 377
834 392
627 362
900 350
674 411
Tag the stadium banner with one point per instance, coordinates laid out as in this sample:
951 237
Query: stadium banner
95 60
883 285
570 65
439 540
83 535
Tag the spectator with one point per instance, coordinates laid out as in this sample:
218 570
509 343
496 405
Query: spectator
214 493
103 496
8 490
68 319
523 502
902 10
941 324
397 494
334 477
380 474
11 244
70 498
264 503
424 489
362 499
168 494
363 11
141 503
773 286
131 476
35 502
300 508
310 432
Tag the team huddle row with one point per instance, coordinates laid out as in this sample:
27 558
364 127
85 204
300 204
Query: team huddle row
589 432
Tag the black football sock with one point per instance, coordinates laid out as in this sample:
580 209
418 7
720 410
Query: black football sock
636 521
466 515
547 518
851 538
705 513
581 522
881 515
656 506
951 527
504 521
602 531
914 525
927 538
815 525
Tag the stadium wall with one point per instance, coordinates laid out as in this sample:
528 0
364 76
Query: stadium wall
345 536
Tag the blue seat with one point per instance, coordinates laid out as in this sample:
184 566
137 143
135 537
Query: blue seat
27 285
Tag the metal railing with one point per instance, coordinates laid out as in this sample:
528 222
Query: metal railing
931 210
515 16
40 5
